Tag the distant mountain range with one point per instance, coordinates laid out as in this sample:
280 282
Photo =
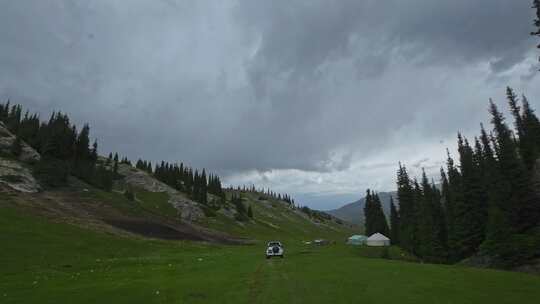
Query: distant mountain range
354 212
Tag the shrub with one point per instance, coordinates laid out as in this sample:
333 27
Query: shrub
52 172
208 212
11 178
129 195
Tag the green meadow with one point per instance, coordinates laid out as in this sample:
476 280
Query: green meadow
46 262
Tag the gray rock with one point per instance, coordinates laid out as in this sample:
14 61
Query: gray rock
189 210
17 177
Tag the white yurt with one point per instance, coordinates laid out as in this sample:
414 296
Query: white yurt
357 240
378 239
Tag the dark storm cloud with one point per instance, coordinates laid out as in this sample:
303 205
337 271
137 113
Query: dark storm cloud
298 37
262 85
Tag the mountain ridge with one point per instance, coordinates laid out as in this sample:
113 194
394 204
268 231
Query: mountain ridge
354 212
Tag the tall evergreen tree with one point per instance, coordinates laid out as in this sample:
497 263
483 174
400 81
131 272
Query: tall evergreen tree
453 199
381 225
445 202
375 221
439 215
394 222
430 246
115 164
250 212
530 139
521 207
470 213
407 210
369 218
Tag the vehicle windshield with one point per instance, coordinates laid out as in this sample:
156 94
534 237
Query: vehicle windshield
274 244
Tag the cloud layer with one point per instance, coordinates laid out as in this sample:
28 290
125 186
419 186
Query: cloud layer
316 98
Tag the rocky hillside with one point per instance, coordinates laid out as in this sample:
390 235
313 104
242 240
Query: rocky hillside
15 173
153 209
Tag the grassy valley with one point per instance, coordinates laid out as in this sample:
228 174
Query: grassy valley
297 96
43 261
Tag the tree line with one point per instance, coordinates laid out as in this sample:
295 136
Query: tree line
266 194
375 221
183 178
63 148
66 151
488 203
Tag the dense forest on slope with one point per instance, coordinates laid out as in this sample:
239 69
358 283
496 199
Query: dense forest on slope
64 151
488 205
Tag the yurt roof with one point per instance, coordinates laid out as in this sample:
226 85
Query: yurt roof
378 237
358 236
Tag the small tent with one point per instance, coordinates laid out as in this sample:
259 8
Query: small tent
357 240
378 239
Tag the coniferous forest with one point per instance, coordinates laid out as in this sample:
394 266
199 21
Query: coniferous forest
487 202
66 151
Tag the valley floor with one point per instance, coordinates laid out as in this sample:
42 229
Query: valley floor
44 262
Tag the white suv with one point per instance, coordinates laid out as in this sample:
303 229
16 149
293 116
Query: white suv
274 248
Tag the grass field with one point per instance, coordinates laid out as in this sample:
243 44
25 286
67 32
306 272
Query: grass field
44 262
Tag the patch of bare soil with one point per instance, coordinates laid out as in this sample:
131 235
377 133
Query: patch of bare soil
153 230
73 207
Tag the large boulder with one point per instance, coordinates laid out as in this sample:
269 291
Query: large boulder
190 210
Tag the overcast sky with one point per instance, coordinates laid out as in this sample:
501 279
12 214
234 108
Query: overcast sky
320 99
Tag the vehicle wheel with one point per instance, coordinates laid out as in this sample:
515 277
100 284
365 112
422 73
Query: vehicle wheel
267 257
281 256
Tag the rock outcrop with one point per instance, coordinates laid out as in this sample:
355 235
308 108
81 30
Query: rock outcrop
28 154
17 177
13 173
189 210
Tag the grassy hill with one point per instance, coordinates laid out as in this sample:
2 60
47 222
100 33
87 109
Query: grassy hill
46 261
153 208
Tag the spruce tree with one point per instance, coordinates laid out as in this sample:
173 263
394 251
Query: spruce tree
380 223
453 198
115 165
515 109
250 212
82 146
394 222
470 213
445 202
521 205
369 225
439 215
430 246
530 139
407 210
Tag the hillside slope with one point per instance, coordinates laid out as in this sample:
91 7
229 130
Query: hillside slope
156 210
